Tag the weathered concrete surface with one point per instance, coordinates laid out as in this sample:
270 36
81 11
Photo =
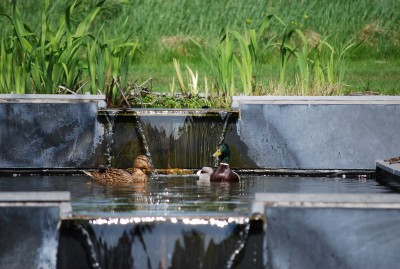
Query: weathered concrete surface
50 132
29 228
318 132
331 231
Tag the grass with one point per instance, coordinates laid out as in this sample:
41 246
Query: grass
373 75
222 47
374 23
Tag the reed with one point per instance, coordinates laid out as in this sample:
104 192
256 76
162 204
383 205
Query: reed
251 45
319 65
190 86
66 57
179 76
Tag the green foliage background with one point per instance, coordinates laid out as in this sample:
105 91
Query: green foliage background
168 29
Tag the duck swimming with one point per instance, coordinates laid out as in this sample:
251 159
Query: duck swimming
223 173
112 175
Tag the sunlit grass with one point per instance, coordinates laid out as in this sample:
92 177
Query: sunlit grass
380 76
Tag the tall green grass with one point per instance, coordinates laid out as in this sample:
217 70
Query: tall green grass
63 56
151 19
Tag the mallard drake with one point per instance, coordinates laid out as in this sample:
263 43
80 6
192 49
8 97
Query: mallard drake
107 175
223 173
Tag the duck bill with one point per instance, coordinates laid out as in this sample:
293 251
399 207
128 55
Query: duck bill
217 153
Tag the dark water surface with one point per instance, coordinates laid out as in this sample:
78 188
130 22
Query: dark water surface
180 195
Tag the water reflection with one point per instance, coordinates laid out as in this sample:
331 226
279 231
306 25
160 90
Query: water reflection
181 195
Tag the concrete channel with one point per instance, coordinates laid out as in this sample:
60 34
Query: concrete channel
304 133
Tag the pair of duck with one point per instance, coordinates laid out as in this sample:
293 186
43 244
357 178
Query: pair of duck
223 173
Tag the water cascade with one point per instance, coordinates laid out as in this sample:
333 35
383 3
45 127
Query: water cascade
108 126
186 140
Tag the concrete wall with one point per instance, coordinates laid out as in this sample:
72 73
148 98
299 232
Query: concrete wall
350 132
50 131
330 230
29 228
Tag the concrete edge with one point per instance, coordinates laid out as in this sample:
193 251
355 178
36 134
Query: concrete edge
393 169
38 199
51 98
167 112
308 100
325 200
54 196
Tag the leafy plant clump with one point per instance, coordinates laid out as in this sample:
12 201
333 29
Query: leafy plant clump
62 57
164 101
141 96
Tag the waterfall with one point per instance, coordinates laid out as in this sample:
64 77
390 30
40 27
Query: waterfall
148 242
109 126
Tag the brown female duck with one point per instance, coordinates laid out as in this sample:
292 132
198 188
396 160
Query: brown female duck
111 175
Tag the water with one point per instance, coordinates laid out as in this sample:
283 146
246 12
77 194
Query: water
171 221
109 136
181 195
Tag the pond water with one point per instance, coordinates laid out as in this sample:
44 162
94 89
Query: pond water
181 195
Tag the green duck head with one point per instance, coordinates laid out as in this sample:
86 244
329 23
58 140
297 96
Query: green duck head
223 153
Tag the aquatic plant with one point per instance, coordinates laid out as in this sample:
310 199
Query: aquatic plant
319 66
251 43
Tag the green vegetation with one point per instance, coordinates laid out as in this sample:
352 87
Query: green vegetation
199 52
